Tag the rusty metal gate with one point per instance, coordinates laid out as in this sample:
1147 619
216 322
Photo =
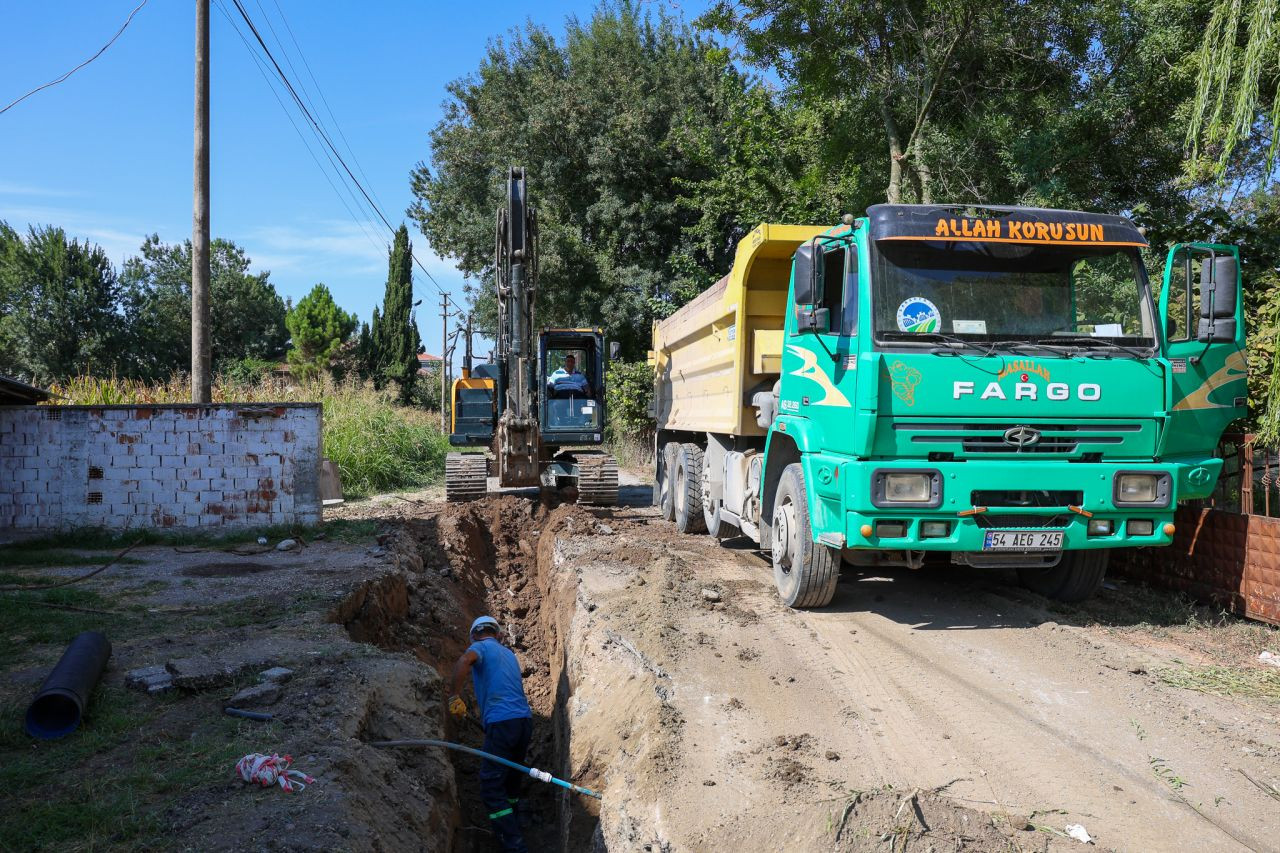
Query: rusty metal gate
1227 548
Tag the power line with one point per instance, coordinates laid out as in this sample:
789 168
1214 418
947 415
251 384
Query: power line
262 69
319 91
101 51
324 137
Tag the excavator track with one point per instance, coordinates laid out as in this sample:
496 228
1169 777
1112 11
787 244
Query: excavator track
465 476
597 479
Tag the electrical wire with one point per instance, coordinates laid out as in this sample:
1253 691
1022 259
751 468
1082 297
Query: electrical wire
324 137
319 91
262 69
101 51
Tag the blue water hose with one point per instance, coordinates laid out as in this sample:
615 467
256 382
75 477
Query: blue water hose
540 775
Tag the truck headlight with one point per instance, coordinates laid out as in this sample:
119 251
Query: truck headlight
906 488
1134 488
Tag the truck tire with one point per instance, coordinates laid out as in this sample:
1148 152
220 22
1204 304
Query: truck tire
805 572
662 495
1077 576
686 489
711 507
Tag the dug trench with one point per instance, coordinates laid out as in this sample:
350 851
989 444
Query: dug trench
451 566
661 680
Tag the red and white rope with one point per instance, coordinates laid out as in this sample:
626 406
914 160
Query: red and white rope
269 770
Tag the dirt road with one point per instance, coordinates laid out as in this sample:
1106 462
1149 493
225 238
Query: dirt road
944 709
719 718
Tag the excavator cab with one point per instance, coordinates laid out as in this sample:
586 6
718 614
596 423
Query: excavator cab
571 372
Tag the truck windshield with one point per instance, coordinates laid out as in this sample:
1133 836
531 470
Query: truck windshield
994 292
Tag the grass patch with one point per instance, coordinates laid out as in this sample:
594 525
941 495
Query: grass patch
634 453
46 551
23 625
21 556
1225 638
107 784
350 531
1229 681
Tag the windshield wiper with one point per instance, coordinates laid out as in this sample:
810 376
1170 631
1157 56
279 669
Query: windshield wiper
1016 345
1095 343
985 349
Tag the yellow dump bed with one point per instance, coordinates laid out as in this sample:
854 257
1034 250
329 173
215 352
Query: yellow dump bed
712 354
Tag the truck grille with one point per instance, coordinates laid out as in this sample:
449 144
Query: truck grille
980 439
993 521
1026 497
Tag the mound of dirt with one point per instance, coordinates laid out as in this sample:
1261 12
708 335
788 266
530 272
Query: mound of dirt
226 570
877 819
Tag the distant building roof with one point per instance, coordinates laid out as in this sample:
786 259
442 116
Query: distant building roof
424 357
15 393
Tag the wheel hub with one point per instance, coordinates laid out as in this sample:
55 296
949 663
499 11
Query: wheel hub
783 522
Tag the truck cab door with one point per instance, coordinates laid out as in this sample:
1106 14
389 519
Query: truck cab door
823 314
1202 327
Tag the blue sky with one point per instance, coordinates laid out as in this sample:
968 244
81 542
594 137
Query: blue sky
107 154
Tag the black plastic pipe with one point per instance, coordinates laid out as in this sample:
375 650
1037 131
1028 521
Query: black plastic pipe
58 707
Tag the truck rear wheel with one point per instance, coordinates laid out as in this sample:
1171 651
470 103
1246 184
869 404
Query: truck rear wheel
686 489
805 572
662 495
1077 576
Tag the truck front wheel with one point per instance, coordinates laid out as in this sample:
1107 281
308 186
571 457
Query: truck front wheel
804 571
1077 576
686 489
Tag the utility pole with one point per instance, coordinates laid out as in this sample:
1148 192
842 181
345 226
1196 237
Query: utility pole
201 359
444 345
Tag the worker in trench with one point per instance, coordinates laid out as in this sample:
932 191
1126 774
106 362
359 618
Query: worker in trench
507 720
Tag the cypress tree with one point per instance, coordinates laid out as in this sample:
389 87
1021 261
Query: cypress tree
395 337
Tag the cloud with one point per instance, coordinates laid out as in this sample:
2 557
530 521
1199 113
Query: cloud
338 247
118 238
9 188
357 247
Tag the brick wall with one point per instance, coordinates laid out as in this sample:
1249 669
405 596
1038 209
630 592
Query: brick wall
171 466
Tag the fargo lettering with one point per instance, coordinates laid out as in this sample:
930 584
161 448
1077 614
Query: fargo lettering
1087 391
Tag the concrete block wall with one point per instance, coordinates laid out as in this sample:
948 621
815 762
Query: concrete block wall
164 466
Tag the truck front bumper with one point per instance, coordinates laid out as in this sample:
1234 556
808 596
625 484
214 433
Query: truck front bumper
966 518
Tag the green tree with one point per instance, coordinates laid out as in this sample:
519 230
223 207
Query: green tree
612 125
317 330
987 102
59 299
248 315
394 335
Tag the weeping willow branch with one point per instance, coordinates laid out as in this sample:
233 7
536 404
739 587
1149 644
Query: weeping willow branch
1229 86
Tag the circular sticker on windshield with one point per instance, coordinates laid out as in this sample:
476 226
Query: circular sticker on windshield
917 314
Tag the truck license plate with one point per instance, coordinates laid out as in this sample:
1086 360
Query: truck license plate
1022 540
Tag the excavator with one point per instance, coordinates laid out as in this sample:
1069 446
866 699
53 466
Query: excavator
539 405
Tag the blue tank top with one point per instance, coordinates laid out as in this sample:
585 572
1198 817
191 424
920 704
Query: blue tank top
496 679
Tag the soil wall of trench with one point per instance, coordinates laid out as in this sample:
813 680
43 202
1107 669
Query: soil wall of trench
497 556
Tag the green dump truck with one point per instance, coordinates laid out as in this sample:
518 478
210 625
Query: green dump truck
993 386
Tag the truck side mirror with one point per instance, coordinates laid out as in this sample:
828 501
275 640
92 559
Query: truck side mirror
808 274
1219 294
615 350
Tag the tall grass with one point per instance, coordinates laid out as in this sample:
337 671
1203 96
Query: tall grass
378 444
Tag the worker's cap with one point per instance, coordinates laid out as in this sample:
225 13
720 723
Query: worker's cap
485 622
